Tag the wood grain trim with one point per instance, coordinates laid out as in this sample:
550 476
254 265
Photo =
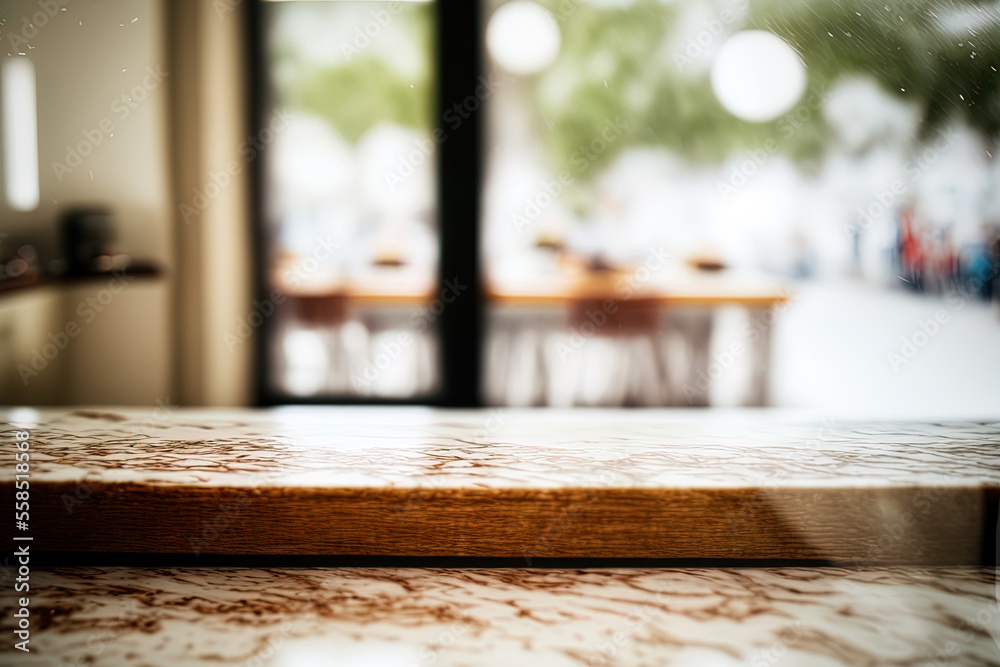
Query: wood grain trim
912 525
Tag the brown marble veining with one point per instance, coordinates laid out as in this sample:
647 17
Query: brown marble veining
422 617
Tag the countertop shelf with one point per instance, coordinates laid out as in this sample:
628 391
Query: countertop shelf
512 484
13 286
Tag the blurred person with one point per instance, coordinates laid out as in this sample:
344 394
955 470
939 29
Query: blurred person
863 171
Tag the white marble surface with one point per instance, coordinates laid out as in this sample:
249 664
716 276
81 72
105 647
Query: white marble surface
499 449
422 617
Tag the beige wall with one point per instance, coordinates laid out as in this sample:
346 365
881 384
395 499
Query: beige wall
86 58
102 90
26 320
161 339
121 355
99 341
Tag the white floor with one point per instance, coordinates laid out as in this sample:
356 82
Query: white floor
833 351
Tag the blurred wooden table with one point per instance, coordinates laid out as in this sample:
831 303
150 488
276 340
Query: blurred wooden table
677 288
666 288
632 301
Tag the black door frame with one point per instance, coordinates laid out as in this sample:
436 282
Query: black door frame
458 60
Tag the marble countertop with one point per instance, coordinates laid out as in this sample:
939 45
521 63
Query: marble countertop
508 483
421 617
499 449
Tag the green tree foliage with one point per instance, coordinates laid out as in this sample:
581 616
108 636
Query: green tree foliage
363 89
360 95
616 62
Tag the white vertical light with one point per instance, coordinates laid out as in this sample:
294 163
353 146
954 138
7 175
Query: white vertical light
20 134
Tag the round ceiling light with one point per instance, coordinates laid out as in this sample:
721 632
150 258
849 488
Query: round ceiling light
522 37
757 76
